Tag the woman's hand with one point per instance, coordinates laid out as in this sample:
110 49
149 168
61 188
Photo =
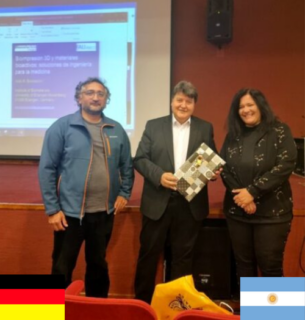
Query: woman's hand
243 197
250 208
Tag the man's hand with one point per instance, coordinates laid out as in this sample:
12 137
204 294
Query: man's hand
58 221
119 204
250 208
168 180
242 198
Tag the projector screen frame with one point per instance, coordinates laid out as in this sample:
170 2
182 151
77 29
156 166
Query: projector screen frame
167 111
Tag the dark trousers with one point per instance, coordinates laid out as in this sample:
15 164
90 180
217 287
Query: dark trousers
259 245
178 226
95 229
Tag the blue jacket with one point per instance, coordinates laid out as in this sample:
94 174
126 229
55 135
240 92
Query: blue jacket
65 162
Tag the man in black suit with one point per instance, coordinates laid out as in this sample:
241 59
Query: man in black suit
165 145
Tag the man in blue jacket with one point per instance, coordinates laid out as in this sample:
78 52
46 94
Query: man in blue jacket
86 176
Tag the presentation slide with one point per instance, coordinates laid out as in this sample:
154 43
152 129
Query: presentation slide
41 77
47 50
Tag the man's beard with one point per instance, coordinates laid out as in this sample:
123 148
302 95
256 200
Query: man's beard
93 112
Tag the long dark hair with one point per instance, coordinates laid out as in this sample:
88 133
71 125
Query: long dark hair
235 125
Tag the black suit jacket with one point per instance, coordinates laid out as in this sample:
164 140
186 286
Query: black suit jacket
155 155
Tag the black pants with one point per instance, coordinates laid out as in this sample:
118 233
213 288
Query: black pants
259 245
178 226
95 229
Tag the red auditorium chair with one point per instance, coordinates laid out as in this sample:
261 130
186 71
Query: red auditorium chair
203 315
86 308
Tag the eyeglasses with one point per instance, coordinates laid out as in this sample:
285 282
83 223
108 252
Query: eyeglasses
92 93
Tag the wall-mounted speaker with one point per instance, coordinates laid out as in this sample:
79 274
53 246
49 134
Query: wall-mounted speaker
220 21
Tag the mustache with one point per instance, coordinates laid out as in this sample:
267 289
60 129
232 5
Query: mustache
88 110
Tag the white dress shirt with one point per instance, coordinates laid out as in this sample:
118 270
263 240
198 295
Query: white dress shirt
181 135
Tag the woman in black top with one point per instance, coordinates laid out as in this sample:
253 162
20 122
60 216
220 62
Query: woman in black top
260 155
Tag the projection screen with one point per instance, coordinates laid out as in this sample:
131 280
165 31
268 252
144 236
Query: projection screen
46 50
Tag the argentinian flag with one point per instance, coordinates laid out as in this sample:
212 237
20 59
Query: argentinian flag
272 298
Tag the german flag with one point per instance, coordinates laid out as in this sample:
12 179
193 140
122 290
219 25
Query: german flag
32 297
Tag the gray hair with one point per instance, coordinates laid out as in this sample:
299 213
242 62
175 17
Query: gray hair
81 86
186 88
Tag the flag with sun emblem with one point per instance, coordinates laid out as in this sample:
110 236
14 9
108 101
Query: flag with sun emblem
272 298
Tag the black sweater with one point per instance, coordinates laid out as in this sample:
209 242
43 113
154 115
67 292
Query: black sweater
261 161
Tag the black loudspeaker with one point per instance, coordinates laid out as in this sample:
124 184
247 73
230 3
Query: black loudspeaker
220 21
214 270
299 169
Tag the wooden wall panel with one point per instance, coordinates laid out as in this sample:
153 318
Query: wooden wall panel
295 249
27 240
267 52
26 246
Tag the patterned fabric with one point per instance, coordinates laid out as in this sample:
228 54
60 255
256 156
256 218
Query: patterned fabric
198 169
274 160
173 297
